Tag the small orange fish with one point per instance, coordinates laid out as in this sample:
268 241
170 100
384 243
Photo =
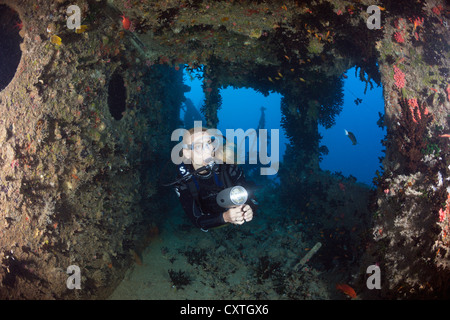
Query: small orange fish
445 135
345 288
125 22
75 176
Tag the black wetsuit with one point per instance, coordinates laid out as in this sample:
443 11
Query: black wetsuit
198 194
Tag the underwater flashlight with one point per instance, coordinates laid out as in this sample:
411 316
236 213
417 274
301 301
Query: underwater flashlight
232 197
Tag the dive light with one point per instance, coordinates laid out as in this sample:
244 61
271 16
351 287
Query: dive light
232 197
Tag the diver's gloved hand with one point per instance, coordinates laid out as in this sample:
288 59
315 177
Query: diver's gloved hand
239 214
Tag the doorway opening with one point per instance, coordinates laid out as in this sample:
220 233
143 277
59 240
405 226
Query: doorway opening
241 108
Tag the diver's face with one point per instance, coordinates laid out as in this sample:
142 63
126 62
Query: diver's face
200 149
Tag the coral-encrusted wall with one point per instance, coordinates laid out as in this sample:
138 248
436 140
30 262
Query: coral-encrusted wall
77 186
411 235
76 180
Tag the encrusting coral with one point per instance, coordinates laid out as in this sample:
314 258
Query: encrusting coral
442 245
411 132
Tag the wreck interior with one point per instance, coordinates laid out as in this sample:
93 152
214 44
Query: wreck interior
85 147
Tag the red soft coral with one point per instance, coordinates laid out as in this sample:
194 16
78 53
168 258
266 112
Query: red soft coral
399 37
399 77
413 107
445 213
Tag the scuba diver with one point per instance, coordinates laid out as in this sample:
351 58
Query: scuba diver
212 193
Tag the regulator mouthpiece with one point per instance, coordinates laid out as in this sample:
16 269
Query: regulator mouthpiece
210 163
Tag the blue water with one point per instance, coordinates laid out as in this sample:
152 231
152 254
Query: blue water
241 109
360 160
